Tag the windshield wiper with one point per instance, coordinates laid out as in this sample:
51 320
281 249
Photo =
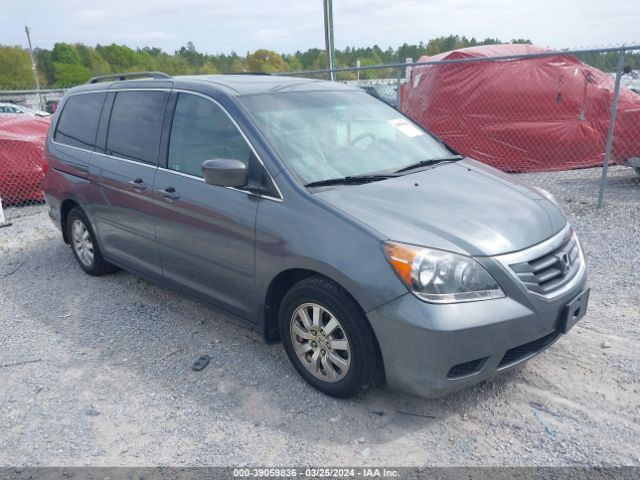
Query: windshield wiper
353 180
359 179
431 161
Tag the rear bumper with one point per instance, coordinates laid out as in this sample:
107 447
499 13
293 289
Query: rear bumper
53 209
430 350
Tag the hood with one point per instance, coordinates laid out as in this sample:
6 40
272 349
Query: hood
464 207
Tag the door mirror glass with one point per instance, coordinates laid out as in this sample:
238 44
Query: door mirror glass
225 172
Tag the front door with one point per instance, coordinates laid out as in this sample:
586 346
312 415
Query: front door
205 234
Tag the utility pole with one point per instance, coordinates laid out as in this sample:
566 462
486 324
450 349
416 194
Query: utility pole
328 35
34 68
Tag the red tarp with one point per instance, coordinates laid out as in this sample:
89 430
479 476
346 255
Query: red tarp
522 115
22 166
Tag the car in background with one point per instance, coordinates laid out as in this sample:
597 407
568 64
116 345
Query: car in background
13 109
534 111
386 93
22 164
52 106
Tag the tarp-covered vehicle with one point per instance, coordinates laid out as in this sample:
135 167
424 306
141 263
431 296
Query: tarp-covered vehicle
525 114
22 163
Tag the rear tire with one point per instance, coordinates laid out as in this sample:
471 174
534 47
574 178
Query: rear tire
327 338
84 244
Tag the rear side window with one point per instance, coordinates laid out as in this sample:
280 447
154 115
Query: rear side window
136 124
78 123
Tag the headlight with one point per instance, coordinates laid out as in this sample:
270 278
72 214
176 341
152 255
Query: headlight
549 196
441 277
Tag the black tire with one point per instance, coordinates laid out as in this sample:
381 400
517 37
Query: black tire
365 365
98 265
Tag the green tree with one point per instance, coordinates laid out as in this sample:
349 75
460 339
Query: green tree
67 65
410 51
65 53
68 68
45 66
293 63
310 57
521 40
266 61
120 57
208 67
192 58
92 60
68 75
238 65
15 68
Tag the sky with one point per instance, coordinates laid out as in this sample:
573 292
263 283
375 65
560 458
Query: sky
223 26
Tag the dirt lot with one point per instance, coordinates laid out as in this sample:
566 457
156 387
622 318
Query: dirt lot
110 381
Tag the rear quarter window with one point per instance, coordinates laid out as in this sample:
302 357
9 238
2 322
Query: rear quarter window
78 123
136 125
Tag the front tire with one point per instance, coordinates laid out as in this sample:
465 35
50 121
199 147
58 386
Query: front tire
85 245
328 338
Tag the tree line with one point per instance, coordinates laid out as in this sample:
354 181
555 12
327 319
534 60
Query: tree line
66 65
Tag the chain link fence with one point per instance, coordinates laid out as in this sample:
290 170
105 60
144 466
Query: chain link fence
22 164
547 117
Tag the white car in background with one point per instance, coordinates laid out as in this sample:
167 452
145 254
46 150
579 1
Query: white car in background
13 109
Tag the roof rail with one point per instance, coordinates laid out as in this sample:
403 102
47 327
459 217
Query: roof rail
247 73
126 76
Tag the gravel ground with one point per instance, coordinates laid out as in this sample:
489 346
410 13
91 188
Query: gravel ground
110 381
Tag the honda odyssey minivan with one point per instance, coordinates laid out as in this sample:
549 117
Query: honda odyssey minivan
323 218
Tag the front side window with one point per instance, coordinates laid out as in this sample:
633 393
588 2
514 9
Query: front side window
78 123
136 124
335 134
201 131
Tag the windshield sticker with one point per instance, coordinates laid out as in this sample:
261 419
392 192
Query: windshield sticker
405 127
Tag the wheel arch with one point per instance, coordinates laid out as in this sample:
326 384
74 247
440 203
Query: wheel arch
65 207
278 288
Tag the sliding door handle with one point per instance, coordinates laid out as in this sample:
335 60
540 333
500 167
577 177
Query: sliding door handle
138 184
170 193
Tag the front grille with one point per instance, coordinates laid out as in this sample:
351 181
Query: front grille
552 270
466 368
521 352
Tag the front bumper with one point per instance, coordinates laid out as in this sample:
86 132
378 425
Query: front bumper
431 349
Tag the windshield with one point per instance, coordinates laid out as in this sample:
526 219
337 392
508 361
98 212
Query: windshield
336 134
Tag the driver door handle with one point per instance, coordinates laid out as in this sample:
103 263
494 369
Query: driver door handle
170 193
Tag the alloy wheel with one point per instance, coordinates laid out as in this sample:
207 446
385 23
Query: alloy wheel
320 342
82 243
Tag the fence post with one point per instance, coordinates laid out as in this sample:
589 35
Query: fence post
612 121
3 222
398 84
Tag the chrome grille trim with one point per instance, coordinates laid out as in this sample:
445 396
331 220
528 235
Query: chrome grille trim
538 264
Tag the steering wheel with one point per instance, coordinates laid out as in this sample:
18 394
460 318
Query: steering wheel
359 138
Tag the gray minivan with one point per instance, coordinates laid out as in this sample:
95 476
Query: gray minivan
322 217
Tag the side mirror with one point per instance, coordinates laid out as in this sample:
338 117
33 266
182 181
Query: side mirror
225 172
